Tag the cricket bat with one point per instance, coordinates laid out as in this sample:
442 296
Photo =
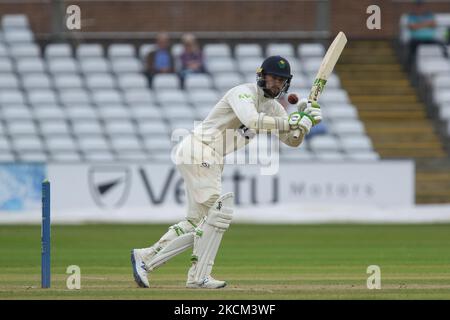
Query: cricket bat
326 67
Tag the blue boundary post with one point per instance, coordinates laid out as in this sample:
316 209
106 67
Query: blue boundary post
45 235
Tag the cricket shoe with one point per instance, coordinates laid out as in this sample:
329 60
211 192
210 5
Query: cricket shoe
208 283
140 272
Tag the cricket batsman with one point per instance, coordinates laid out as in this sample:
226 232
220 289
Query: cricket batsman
246 110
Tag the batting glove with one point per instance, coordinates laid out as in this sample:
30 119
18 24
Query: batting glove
294 119
310 108
300 120
302 104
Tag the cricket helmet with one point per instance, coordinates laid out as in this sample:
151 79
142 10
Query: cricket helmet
276 66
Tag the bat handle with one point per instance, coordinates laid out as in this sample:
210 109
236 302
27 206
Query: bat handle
313 96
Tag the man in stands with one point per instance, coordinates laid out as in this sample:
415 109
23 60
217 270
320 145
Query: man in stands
422 29
159 60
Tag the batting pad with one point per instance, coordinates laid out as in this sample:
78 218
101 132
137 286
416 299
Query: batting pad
209 235
176 246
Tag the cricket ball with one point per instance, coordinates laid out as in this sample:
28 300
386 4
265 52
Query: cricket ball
292 98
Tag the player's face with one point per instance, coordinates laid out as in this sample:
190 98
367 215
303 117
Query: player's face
274 84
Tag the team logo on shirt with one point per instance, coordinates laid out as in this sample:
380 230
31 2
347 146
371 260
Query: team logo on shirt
205 165
246 96
246 132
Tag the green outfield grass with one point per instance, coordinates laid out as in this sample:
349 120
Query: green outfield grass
258 261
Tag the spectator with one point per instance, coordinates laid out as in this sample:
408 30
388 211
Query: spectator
422 29
159 60
191 59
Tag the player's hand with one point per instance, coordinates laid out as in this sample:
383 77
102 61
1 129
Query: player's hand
311 108
300 120
302 104
294 119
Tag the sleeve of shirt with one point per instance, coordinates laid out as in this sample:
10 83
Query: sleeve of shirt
242 101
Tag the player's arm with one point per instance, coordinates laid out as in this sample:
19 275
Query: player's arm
288 137
242 100
309 114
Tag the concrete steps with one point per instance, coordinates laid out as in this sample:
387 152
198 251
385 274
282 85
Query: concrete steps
381 90
394 116
433 181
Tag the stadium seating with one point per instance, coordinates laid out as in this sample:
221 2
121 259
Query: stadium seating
91 102
433 70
